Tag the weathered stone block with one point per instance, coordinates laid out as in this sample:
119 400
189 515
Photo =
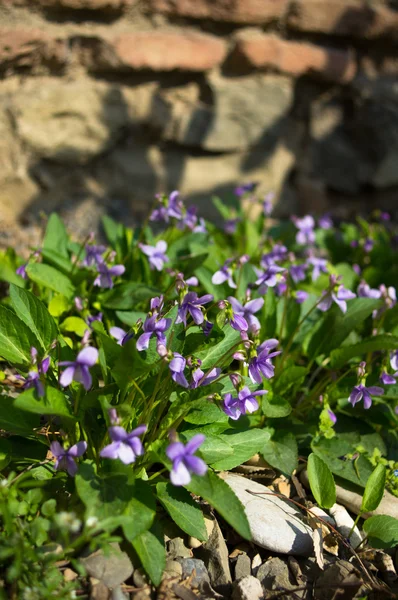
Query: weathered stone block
29 48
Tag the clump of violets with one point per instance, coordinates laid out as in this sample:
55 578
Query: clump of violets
66 458
156 254
268 278
154 325
260 364
247 311
336 293
79 369
246 402
190 304
106 273
184 463
305 234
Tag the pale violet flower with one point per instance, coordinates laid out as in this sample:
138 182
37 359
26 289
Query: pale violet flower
184 461
156 254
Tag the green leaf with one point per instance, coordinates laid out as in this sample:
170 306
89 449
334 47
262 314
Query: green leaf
8 266
130 318
223 209
127 295
16 339
213 448
290 376
151 552
269 314
244 445
15 420
382 531
34 314
341 356
54 403
56 237
58 305
332 452
374 489
74 325
281 452
335 326
51 278
275 407
321 481
182 509
217 493
115 499
212 356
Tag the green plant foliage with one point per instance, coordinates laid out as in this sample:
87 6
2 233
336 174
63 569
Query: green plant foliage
321 481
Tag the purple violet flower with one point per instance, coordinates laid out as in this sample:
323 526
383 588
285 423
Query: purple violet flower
297 272
360 392
184 461
245 188
248 311
268 278
388 379
192 305
172 208
105 274
246 402
365 291
90 319
125 446
93 255
153 326
199 378
332 416
200 227
121 336
340 298
305 226
156 254
230 225
65 459
319 266
33 378
21 271
368 245
189 219
325 221
78 370
224 274
278 253
301 296
268 205
394 360
177 366
261 364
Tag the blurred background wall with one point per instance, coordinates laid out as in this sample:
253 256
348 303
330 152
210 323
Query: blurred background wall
104 103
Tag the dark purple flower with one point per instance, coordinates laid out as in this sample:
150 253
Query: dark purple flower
365 291
319 266
230 225
189 219
21 271
325 221
305 226
388 379
281 288
199 378
368 245
184 461
268 204
362 392
301 296
65 459
125 446
153 326
78 370
245 188
224 274
248 311
332 416
121 336
34 377
90 319
177 366
246 402
93 255
278 253
207 327
171 207
340 298
105 274
385 216
261 364
268 278
297 272
156 304
357 269
156 254
193 305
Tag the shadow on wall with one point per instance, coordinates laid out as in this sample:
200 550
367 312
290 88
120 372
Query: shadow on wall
121 161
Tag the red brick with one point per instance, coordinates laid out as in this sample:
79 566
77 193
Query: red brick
256 50
235 11
29 48
166 51
343 17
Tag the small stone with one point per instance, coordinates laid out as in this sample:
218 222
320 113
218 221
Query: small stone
353 501
172 569
318 512
242 566
189 565
345 523
275 523
112 568
177 549
214 553
99 591
342 572
248 588
274 574
70 575
256 563
194 543
139 578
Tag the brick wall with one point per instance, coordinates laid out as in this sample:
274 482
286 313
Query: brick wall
104 103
